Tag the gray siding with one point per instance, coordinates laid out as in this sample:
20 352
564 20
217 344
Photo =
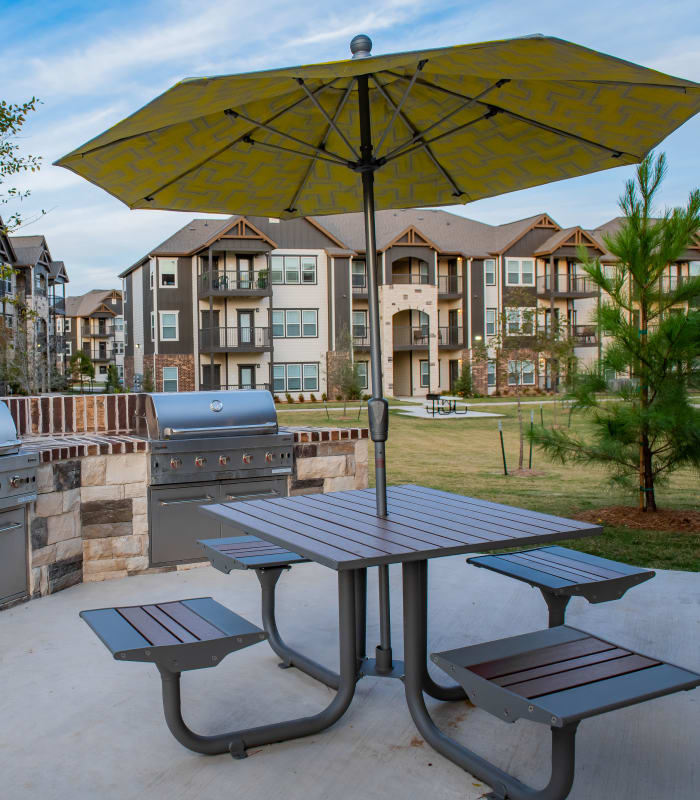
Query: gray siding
295 234
178 299
477 300
342 296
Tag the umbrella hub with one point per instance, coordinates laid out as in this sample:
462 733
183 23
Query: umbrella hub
361 46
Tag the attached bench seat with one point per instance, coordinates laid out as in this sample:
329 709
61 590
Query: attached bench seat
176 636
559 676
560 574
247 552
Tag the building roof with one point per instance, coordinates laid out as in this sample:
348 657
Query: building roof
562 239
86 304
58 272
28 249
192 237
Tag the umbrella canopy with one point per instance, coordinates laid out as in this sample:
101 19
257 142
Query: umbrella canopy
473 121
427 128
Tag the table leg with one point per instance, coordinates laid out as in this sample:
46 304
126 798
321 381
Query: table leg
361 614
415 656
290 658
237 742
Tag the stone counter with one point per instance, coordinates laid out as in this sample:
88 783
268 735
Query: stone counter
90 519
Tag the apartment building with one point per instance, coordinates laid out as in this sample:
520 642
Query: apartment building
94 323
263 302
32 305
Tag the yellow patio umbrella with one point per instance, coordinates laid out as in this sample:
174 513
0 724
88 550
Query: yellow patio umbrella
427 128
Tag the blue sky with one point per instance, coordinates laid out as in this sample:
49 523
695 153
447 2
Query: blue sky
92 64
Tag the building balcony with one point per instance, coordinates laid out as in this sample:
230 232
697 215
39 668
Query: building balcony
583 335
410 337
99 353
359 286
415 278
100 331
57 304
668 284
360 337
449 285
235 283
232 387
221 340
451 337
565 286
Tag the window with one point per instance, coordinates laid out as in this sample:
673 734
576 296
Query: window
295 377
169 379
694 269
119 348
126 334
119 324
292 323
168 273
151 272
521 373
120 372
153 326
359 324
490 271
359 275
490 321
519 321
114 301
103 369
66 324
425 374
168 325
520 272
68 348
362 374
292 269
491 373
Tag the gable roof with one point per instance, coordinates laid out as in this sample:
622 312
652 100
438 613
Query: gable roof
568 237
88 303
58 272
506 235
6 247
29 249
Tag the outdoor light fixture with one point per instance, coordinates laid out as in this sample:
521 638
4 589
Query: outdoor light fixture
477 338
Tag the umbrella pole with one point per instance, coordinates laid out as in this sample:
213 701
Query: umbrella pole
377 406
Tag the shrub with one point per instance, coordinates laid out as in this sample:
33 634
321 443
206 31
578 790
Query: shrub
301 398
289 397
339 397
312 398
275 398
324 397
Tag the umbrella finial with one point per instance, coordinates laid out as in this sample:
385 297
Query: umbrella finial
361 46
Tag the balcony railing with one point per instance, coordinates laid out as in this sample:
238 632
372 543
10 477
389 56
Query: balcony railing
412 278
99 353
451 336
360 336
100 330
449 284
411 336
668 284
566 285
359 284
231 387
57 304
584 334
231 281
234 339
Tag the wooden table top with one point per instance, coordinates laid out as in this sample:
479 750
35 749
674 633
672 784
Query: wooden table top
342 530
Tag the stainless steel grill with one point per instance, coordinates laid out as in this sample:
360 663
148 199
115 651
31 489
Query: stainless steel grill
208 447
17 490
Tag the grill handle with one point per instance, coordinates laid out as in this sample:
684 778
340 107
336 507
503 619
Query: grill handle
173 433
254 496
11 527
204 499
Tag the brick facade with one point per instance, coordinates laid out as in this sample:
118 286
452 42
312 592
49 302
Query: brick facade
185 367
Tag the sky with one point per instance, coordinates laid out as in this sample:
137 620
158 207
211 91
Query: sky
91 64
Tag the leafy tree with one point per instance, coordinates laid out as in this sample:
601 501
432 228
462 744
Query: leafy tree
343 374
464 386
12 118
81 367
652 339
113 383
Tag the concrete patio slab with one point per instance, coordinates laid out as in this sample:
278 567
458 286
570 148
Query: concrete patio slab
78 725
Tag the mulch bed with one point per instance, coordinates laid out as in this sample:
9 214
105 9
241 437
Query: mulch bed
665 519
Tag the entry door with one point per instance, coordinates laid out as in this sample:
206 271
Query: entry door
245 273
210 325
245 327
246 376
454 373
453 332
211 376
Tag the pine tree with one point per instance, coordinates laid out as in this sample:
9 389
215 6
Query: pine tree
653 429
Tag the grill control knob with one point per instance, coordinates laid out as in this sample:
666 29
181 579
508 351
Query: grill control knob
223 460
175 463
247 458
269 457
200 462
15 481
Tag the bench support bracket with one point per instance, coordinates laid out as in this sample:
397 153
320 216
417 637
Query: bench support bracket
556 604
503 785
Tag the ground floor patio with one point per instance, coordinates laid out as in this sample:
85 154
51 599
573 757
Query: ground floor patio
77 724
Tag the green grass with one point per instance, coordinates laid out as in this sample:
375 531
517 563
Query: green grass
464 456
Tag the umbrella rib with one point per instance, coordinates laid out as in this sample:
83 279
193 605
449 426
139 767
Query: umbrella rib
201 163
312 156
236 114
397 108
407 122
292 206
499 109
468 101
314 100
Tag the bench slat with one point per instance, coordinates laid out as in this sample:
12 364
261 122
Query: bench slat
168 622
203 630
573 564
560 666
148 627
582 676
618 566
520 572
113 630
557 570
226 620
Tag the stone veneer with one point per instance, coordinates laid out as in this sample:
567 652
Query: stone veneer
90 519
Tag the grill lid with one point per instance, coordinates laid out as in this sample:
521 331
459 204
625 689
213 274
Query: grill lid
9 443
198 415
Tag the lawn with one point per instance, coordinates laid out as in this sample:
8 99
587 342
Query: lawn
464 456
